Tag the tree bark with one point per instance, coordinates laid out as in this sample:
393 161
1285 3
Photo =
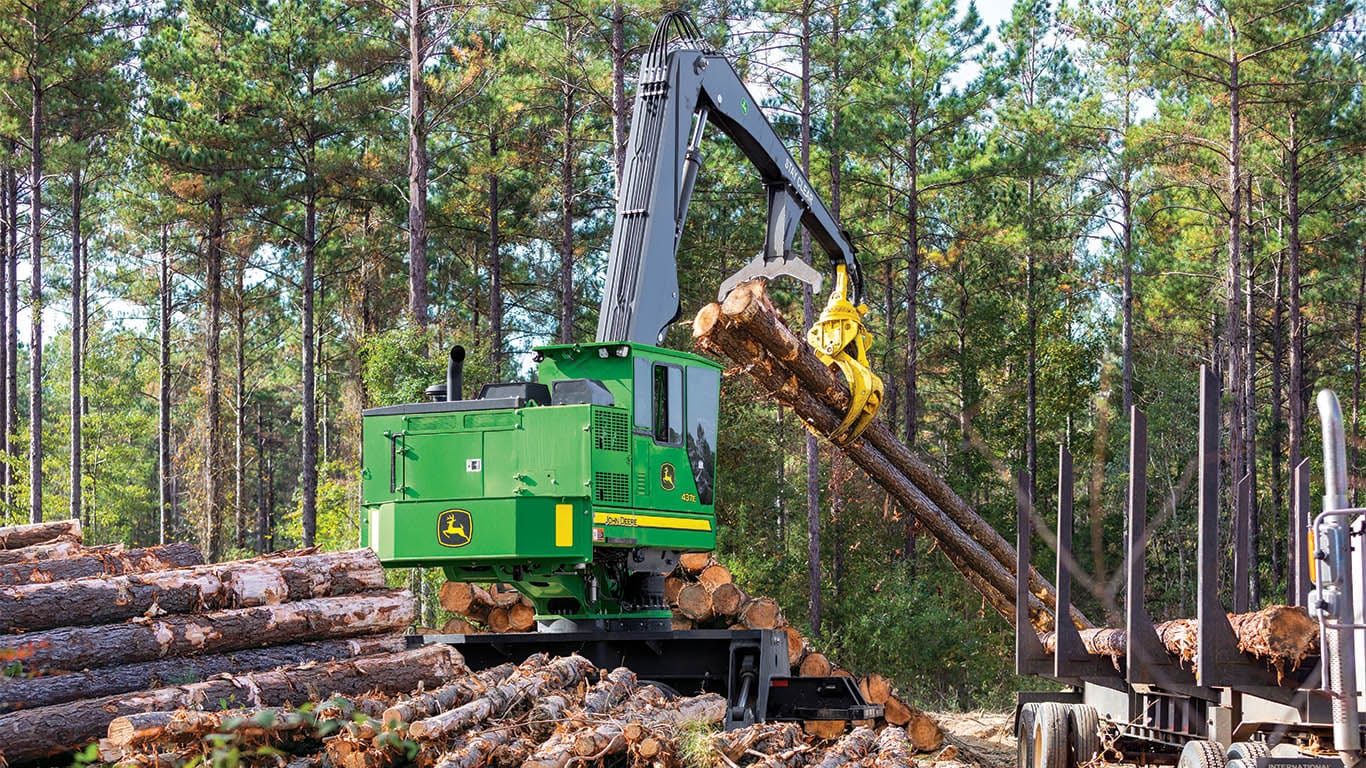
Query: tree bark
35 339
239 407
5 426
166 523
17 536
620 120
27 693
309 428
38 553
77 343
1296 394
567 199
213 377
850 750
1249 395
12 337
446 697
263 581
495 260
108 560
76 648
417 165
813 499
1233 307
50 731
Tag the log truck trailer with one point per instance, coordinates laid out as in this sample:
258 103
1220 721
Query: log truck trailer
1230 710
583 488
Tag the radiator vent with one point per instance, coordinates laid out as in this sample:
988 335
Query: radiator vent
611 430
611 488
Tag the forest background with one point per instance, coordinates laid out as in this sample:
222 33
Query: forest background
229 225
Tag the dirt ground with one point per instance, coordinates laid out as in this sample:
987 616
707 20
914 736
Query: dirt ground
976 739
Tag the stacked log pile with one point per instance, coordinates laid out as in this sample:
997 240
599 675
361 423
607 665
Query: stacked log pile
88 634
497 608
541 713
749 330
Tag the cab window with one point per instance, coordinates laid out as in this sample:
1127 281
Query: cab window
668 404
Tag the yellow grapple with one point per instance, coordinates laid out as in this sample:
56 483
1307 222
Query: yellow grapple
842 342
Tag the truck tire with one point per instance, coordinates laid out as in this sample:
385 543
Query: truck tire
1024 735
1202 754
1248 751
1083 731
1051 745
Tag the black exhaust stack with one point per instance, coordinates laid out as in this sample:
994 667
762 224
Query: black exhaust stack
455 374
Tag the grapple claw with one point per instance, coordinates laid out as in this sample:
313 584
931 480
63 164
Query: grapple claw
841 341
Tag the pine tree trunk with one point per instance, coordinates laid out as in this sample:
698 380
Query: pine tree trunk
1249 395
239 396
1296 394
620 120
35 339
262 519
1355 447
77 342
567 204
12 337
417 166
813 502
495 261
167 523
213 382
309 459
5 425
1278 421
1233 308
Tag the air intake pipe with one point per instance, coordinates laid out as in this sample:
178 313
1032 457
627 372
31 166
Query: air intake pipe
455 374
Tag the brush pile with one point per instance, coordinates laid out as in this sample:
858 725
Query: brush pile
541 713
703 594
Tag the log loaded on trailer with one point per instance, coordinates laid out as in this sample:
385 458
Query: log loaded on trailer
583 490
1247 689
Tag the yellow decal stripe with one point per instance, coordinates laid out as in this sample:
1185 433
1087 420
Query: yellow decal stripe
652 521
564 525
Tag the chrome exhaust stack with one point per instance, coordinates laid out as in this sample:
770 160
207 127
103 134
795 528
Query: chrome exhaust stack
1333 600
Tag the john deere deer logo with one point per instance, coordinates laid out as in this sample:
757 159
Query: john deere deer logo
666 477
454 528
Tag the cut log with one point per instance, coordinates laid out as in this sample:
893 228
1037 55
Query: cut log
492 745
815 665
673 584
726 599
694 603
761 613
77 648
748 330
49 731
448 696
749 305
678 623
875 688
469 600
850 750
518 691
796 647
40 552
458 626
714 575
260 581
1281 635
893 749
498 619
586 733
920 728
17 536
505 595
521 617
270 725
693 562
110 560
825 729
32 692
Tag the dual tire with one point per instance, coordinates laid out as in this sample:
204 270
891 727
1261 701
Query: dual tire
1053 735
1209 754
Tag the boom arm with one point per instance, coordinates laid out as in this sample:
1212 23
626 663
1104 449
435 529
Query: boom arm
684 86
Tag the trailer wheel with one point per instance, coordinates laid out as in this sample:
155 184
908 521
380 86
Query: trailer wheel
1202 754
1248 751
1051 745
1083 729
1024 735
